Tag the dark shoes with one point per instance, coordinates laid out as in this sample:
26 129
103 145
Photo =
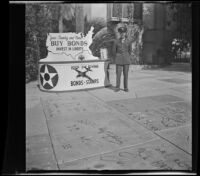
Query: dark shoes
117 89
126 90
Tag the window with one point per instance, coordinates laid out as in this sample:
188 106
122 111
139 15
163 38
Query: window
137 11
117 10
124 11
149 15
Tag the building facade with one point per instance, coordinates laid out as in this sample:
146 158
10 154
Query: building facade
146 23
156 37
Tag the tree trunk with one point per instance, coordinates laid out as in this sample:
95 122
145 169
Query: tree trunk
79 18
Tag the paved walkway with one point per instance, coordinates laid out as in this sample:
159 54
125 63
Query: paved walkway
147 128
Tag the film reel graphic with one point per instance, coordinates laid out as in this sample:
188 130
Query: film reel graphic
48 76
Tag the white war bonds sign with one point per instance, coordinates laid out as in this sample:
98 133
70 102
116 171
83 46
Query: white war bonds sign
70 46
70 64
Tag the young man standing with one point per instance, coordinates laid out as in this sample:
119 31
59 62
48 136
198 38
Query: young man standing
122 50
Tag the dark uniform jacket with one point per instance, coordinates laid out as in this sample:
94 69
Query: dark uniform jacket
122 52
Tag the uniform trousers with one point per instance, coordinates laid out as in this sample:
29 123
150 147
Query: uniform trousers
119 69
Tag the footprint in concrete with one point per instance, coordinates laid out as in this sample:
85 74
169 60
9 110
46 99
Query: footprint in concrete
74 127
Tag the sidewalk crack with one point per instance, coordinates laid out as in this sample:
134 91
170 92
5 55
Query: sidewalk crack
50 135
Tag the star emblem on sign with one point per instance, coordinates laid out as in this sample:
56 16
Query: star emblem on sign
48 76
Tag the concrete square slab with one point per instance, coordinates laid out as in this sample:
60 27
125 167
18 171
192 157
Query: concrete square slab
55 109
87 135
156 113
141 104
184 96
108 94
72 128
184 89
148 84
32 91
76 148
89 124
171 115
165 98
135 75
153 155
105 140
37 142
39 153
74 96
166 71
32 102
35 121
41 162
81 124
32 96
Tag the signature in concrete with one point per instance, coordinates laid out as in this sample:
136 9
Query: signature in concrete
182 164
161 165
149 124
86 140
143 119
173 120
67 146
126 158
136 116
110 136
175 157
87 122
64 143
167 117
161 151
122 158
73 128
144 153
173 116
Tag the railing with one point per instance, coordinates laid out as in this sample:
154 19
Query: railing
182 57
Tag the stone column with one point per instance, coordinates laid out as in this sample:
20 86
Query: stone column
138 11
79 18
153 45
160 28
60 27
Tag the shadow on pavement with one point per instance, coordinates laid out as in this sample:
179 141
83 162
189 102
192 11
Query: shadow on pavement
180 67
111 87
